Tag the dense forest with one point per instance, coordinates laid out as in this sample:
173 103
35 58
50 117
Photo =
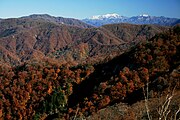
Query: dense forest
47 90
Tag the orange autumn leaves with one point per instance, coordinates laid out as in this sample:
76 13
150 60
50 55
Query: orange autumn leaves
23 88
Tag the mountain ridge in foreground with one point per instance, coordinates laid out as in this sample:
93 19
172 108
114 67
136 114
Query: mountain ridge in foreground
44 90
42 37
52 70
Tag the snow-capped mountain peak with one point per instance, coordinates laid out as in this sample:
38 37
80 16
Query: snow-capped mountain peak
114 15
144 15
107 16
100 20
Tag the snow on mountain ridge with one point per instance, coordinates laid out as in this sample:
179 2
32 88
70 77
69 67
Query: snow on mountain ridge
112 16
107 16
100 20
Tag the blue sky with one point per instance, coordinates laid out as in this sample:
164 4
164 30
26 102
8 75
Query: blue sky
87 8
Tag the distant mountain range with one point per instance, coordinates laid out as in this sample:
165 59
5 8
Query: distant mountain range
100 20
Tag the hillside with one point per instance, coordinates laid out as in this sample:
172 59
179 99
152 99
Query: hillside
43 90
40 38
106 42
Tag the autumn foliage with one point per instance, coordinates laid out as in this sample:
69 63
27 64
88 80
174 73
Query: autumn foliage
34 90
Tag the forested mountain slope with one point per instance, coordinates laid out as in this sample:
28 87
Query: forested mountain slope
47 90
